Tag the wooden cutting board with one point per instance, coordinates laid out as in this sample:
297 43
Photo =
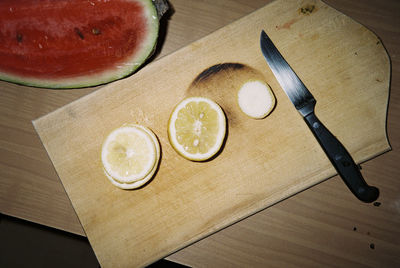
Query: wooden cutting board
344 65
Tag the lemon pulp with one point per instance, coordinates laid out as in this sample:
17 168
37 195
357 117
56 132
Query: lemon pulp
129 154
197 128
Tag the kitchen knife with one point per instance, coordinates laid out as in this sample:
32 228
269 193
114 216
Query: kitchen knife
305 103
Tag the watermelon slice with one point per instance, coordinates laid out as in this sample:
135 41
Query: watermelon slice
74 43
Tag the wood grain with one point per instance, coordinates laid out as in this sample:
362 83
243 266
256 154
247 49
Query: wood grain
178 206
30 189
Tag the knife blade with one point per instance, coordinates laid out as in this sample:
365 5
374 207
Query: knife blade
305 102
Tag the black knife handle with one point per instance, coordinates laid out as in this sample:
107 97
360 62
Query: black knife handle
342 161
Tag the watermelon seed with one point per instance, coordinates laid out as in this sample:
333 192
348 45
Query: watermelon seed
19 37
96 31
79 33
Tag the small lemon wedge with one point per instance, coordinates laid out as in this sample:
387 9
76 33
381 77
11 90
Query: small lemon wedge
256 99
196 128
130 156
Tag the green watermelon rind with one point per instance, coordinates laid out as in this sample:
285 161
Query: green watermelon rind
107 76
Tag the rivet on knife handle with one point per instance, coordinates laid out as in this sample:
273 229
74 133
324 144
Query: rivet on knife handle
342 161
305 103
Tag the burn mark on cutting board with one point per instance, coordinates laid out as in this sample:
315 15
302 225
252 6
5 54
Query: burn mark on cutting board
377 204
305 10
213 70
287 24
221 82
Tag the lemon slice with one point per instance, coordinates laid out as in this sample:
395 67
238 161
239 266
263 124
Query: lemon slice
129 154
256 99
139 183
196 128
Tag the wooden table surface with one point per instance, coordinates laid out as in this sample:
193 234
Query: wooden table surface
322 226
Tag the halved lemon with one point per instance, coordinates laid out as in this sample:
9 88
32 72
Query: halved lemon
130 156
196 128
256 99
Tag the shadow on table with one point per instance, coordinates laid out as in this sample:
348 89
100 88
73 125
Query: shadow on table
27 244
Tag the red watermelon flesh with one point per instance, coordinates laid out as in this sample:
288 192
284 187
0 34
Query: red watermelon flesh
74 43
